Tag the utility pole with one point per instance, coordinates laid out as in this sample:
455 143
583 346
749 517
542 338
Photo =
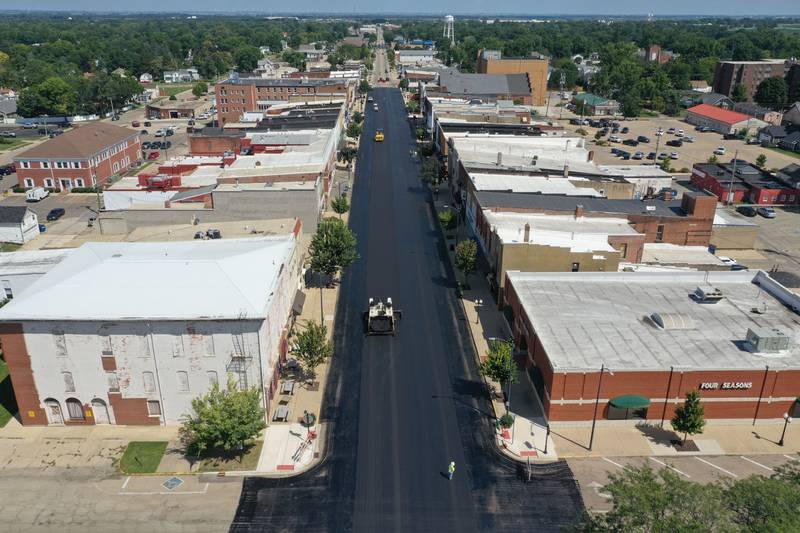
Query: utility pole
733 177
113 113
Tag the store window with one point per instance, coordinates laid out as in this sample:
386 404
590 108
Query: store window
660 233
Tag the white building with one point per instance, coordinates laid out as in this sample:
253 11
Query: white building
146 77
130 333
181 76
18 224
19 270
415 57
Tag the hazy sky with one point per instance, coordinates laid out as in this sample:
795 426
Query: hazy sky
573 7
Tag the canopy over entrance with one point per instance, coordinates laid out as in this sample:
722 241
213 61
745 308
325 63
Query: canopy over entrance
630 401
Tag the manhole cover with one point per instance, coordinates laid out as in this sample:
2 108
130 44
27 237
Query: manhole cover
172 483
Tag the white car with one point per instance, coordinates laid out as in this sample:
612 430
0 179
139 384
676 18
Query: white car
720 150
679 133
159 133
673 155
727 260
172 127
688 139
614 139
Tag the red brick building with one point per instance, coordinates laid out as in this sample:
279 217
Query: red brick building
236 96
85 156
640 341
749 184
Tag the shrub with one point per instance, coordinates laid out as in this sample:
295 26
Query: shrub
448 219
506 421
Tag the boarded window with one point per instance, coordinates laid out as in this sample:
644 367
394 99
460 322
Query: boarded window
75 409
183 381
212 378
69 383
60 341
153 408
113 381
149 382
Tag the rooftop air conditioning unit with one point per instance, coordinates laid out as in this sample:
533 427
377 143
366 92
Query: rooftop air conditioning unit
707 294
766 339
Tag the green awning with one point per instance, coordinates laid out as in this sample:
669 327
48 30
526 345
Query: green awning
630 401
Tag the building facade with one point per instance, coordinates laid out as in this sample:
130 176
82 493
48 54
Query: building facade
121 360
722 120
728 74
86 156
537 69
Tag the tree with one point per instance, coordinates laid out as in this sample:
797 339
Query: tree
404 84
246 57
54 96
713 159
447 219
340 205
764 504
466 255
647 500
223 421
311 347
761 160
358 117
772 93
200 89
688 417
295 59
363 87
333 247
665 164
499 364
739 93
354 130
431 171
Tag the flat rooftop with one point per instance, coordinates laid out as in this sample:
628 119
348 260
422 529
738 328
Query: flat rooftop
31 262
197 280
660 252
579 235
510 200
587 319
530 184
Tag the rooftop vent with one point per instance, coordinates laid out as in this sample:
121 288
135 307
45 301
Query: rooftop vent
707 295
767 339
671 321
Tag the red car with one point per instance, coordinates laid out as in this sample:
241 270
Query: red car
153 155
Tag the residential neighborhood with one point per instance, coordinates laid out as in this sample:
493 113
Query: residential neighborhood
375 270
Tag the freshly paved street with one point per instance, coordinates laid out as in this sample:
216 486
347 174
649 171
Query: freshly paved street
400 408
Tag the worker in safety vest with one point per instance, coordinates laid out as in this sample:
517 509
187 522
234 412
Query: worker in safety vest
451 470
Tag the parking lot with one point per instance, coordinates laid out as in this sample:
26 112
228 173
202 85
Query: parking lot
592 473
690 153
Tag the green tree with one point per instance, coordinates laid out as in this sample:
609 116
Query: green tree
499 364
246 57
661 501
354 129
223 421
448 219
363 87
54 96
295 59
200 89
665 164
466 256
739 93
431 171
332 248
713 159
311 347
404 84
772 93
761 160
689 417
358 117
340 205
764 504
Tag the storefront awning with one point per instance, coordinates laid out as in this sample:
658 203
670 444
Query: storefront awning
299 300
630 401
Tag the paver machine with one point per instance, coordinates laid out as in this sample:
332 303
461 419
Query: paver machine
381 318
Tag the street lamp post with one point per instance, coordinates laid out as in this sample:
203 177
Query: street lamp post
597 402
659 133
786 421
478 305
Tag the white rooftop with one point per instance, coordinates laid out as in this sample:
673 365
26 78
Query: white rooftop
582 234
31 262
659 252
560 148
530 184
197 280
585 319
724 217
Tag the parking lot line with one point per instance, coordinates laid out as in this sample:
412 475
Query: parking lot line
662 463
717 467
790 457
765 467
612 462
127 480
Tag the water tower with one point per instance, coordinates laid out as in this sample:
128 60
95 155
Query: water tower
448 29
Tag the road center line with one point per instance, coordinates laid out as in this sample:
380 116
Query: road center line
669 466
765 467
717 467
612 462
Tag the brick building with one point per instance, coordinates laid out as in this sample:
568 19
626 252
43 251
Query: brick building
236 96
492 62
748 184
188 315
749 74
634 343
85 156
723 120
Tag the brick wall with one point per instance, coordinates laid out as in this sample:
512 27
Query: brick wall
15 353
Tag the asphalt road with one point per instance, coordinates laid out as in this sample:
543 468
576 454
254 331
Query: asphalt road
398 409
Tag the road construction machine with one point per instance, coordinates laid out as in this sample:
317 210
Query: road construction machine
381 318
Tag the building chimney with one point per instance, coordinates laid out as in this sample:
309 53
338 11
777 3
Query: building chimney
591 156
667 196
526 236
566 170
578 211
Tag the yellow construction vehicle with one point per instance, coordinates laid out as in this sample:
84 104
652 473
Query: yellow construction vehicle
379 136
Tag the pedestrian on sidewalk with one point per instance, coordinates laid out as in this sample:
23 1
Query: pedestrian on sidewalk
451 470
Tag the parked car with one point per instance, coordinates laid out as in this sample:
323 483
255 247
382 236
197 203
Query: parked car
8 134
55 133
720 150
662 156
36 194
637 155
651 155
625 130
115 118
153 155
631 142
159 133
673 155
42 228
625 155
614 139
767 212
7 170
169 133
746 210
727 260
147 124
675 142
688 139
191 122
55 213
172 127
144 132
679 133
166 145
643 139
146 145
136 124
671 131
616 151
753 140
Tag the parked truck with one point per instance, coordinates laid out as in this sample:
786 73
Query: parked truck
36 194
